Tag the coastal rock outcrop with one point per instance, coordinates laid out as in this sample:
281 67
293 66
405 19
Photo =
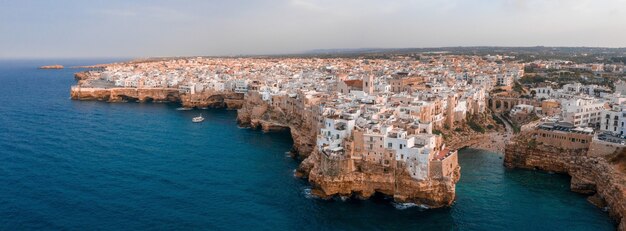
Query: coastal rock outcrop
591 175
363 183
81 76
256 113
372 179
125 94
228 100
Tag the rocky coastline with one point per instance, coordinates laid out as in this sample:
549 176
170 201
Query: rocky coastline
372 179
591 174
255 113
158 95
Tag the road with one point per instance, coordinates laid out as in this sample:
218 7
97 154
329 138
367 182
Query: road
509 128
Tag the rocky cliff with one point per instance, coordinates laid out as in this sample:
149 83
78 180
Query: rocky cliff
207 99
591 175
125 94
81 76
228 100
257 113
394 182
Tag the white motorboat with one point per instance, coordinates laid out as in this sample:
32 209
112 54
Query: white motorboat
197 119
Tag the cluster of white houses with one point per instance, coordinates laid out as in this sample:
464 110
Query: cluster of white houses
587 106
381 112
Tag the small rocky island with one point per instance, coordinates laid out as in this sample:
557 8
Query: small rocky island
52 67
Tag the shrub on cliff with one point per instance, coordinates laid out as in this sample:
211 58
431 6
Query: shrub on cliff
475 126
497 119
532 143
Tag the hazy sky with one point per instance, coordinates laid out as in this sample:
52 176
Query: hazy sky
141 28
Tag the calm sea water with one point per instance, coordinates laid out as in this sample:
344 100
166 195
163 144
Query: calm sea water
90 165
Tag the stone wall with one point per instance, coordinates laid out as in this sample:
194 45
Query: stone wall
334 166
600 148
449 164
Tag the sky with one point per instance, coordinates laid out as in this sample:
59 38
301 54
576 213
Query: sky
149 28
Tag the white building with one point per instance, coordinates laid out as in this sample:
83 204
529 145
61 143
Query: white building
614 120
334 131
504 80
582 111
543 92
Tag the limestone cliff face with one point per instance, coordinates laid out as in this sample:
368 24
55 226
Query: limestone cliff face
257 113
81 76
228 100
363 184
125 94
591 175
208 99
394 182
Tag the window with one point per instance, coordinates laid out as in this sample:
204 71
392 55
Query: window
389 145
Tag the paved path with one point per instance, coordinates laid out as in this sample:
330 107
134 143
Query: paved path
509 129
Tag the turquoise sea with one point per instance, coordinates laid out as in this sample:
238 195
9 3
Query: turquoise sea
71 165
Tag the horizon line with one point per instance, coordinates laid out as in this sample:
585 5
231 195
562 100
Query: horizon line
310 52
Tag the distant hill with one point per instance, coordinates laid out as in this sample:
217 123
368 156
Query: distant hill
581 54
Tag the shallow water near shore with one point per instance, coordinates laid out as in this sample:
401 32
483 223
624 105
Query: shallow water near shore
127 166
